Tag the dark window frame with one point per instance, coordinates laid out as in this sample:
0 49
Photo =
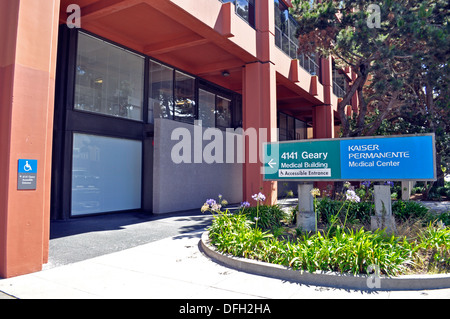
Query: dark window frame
117 50
235 100
289 130
68 121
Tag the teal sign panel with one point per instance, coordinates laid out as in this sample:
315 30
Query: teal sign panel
406 157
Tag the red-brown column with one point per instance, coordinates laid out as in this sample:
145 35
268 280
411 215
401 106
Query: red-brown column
259 99
260 104
28 33
323 116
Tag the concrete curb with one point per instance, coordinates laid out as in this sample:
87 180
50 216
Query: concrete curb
326 279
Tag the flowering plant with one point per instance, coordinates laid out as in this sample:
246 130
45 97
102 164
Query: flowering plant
260 197
350 197
213 206
245 205
315 192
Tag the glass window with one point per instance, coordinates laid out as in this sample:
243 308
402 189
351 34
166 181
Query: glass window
281 16
161 92
282 127
300 130
291 128
106 174
207 108
184 98
293 27
245 9
285 43
285 30
109 79
237 111
223 113
278 37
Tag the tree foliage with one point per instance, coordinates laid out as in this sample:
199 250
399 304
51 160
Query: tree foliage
402 64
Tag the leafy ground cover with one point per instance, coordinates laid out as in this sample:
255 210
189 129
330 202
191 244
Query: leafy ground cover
343 241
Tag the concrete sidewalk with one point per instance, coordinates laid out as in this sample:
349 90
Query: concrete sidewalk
103 261
171 268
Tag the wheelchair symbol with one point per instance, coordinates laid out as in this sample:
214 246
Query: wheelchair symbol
27 167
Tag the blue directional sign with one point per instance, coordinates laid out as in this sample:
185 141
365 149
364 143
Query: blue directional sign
395 158
405 157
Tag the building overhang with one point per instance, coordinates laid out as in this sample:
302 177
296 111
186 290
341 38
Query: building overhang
203 45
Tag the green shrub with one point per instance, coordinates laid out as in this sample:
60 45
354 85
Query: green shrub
410 209
345 252
357 211
258 233
444 217
352 252
269 216
233 234
432 252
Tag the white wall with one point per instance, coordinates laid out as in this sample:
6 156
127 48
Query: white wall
185 186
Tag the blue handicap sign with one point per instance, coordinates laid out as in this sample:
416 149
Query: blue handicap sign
27 166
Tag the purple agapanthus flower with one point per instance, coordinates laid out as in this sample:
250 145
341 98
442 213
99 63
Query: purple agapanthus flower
366 184
245 204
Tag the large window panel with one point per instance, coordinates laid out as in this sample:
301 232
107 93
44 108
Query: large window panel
285 30
161 91
207 108
245 9
282 124
300 130
281 16
223 113
109 79
185 110
106 174
290 128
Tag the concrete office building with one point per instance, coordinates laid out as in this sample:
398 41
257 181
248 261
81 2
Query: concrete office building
94 105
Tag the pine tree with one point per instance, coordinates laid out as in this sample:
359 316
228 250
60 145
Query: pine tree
400 52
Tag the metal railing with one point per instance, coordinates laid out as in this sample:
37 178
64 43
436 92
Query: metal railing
338 90
283 42
308 63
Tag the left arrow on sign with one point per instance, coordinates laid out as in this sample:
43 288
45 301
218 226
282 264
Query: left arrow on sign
271 163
